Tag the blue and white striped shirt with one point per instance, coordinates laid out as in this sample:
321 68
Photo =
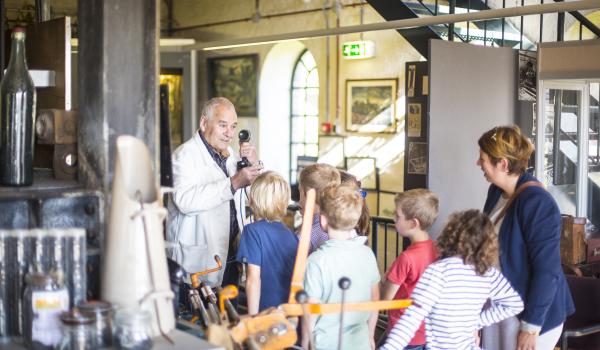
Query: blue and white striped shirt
450 297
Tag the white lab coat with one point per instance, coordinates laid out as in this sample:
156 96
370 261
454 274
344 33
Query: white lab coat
198 222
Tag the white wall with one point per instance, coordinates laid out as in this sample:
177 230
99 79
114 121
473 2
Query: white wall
274 105
472 89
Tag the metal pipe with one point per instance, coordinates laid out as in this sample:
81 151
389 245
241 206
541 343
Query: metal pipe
2 37
451 25
521 29
401 24
42 10
556 172
468 23
327 65
485 28
268 16
541 24
560 26
169 17
337 76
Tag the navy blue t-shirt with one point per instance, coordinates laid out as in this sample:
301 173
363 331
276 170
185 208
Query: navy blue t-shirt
271 246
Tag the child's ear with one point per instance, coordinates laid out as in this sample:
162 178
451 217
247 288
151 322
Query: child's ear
415 223
324 223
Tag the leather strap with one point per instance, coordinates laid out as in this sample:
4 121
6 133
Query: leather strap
514 196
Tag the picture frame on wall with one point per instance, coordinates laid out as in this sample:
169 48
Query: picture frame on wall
371 105
527 75
236 78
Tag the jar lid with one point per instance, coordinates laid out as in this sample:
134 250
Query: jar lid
18 29
74 317
39 279
96 308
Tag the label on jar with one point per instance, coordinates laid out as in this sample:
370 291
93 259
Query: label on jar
47 307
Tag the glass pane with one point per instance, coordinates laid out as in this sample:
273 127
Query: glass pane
313 78
311 130
560 149
298 129
293 177
593 200
174 81
300 75
297 150
312 101
309 60
298 101
312 150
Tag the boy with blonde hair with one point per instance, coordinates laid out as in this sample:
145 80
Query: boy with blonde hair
343 255
317 176
267 246
416 210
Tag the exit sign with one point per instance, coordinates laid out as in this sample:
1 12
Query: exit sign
354 50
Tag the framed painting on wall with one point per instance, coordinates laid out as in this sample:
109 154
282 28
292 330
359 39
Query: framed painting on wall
371 105
235 77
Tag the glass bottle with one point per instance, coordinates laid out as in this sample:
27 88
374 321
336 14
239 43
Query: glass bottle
17 111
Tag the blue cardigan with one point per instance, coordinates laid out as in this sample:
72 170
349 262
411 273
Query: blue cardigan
530 254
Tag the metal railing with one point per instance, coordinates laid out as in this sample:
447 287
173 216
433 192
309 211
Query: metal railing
385 241
433 9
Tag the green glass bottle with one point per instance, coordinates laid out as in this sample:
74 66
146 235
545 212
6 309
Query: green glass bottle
17 117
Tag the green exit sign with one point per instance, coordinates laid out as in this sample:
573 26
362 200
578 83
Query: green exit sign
355 50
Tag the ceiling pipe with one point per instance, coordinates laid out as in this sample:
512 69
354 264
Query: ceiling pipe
401 24
42 10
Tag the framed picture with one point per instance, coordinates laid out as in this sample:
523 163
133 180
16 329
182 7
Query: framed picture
527 75
417 158
371 105
235 78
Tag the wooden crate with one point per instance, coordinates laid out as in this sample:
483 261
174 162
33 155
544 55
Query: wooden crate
593 248
573 248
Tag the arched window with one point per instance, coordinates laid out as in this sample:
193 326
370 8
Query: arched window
304 130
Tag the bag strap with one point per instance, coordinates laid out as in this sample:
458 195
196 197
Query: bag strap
514 196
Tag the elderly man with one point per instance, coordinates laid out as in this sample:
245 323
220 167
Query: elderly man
207 209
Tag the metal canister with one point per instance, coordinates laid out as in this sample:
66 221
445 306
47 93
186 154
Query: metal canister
45 298
102 312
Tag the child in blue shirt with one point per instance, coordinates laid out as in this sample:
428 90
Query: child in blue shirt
267 246
343 255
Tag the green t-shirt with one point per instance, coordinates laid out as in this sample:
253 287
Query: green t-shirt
333 260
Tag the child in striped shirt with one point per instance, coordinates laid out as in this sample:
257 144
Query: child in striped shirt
451 293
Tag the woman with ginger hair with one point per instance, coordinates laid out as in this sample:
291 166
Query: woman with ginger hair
528 222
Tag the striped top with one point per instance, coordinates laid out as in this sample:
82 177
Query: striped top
450 297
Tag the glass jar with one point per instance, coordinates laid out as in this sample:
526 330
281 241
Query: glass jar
79 331
132 329
102 312
43 301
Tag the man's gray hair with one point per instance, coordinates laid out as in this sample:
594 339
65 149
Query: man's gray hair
209 106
